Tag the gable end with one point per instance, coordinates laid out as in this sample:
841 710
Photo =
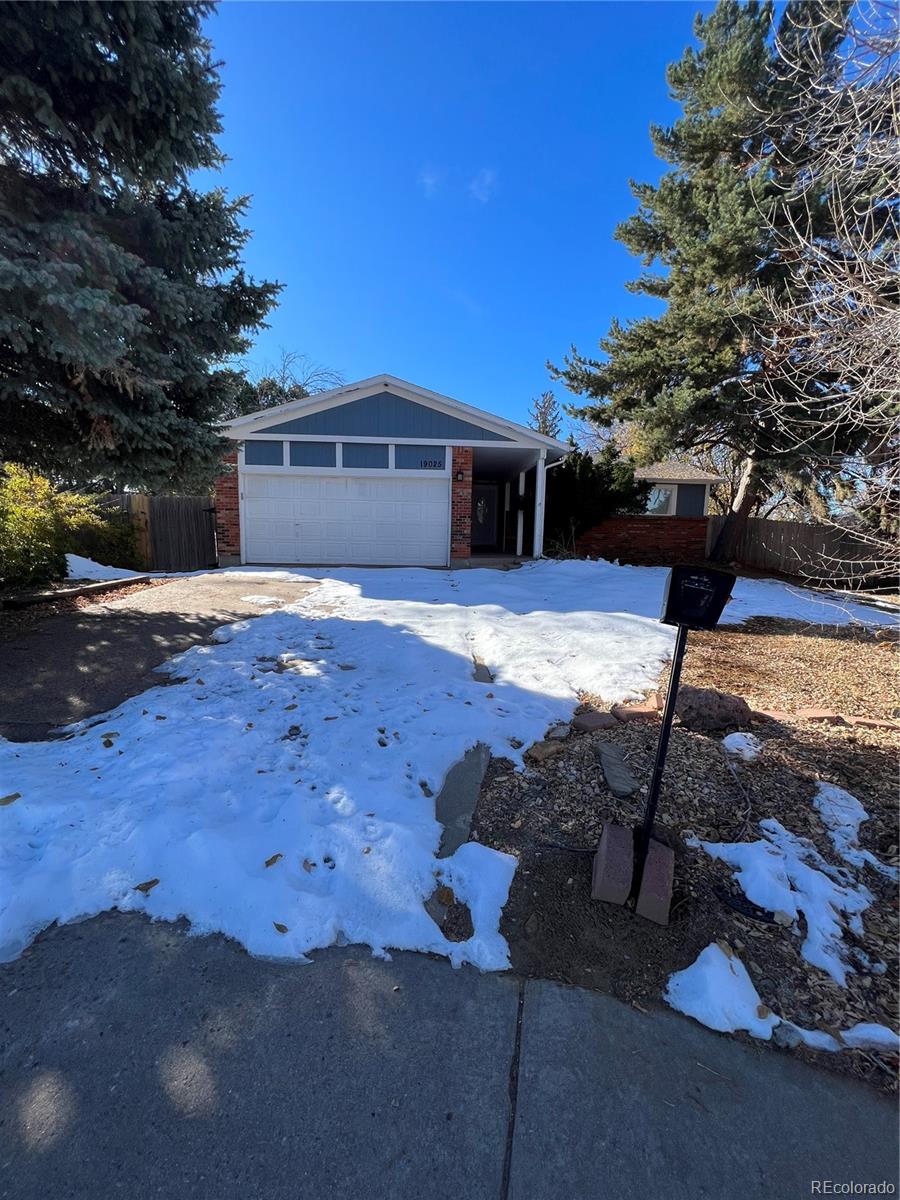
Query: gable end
385 415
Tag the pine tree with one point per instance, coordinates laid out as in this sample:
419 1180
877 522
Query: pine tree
121 284
545 415
693 376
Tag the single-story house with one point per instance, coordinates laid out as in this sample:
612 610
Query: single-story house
677 489
383 473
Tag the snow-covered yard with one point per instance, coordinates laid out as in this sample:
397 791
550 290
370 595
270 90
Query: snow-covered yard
280 790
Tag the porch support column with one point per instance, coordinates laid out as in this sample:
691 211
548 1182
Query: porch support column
540 488
520 518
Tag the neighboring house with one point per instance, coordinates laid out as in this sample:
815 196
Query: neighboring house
678 489
383 473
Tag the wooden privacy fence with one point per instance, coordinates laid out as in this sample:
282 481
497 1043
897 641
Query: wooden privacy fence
821 553
172 533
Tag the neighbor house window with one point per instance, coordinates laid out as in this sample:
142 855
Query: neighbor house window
660 500
365 454
263 454
420 458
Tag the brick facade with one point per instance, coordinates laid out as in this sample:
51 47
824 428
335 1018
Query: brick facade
228 521
660 541
461 504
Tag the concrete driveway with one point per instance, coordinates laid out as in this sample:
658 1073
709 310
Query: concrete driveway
77 664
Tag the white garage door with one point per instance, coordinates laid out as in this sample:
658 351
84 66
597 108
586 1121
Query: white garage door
346 519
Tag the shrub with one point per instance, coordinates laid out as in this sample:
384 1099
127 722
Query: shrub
110 541
37 525
585 489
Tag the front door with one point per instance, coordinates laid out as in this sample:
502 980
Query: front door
484 515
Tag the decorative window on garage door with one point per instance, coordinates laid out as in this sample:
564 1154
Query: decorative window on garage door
263 454
365 454
312 454
420 458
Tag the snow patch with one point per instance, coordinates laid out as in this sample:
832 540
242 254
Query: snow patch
263 600
785 873
842 815
717 991
300 739
742 745
85 568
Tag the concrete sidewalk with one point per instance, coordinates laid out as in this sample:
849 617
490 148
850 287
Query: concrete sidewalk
138 1061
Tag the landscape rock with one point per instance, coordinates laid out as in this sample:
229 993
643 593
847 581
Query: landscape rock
705 709
541 751
645 711
786 1036
559 733
618 776
872 723
824 715
589 722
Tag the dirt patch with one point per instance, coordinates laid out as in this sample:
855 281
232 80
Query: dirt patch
15 621
551 816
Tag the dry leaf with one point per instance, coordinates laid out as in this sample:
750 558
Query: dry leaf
367 850
763 1011
308 866
13 796
270 862
725 948
281 928
147 886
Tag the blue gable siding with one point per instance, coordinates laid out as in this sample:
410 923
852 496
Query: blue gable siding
388 416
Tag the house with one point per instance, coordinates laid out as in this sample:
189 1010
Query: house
672 529
677 489
384 473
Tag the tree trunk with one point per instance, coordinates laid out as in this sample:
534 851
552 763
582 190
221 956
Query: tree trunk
736 520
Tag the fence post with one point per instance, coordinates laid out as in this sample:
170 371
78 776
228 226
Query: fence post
139 507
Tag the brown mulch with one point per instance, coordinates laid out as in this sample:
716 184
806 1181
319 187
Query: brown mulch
551 815
14 621
787 665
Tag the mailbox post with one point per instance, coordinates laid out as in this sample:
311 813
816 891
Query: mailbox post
694 599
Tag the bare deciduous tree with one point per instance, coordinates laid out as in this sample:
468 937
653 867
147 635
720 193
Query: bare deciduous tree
836 336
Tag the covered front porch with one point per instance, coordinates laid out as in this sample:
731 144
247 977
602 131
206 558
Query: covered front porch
508 487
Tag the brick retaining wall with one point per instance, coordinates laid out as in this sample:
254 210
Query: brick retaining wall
646 540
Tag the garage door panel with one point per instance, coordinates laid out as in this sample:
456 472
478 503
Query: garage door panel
345 519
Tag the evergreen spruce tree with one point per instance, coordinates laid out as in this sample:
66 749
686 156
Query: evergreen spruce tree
121 285
693 376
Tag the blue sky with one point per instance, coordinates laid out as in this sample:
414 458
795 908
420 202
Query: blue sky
437 184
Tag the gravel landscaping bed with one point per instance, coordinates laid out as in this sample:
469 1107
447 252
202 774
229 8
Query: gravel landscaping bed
551 816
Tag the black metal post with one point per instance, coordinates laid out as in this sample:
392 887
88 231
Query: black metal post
662 746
